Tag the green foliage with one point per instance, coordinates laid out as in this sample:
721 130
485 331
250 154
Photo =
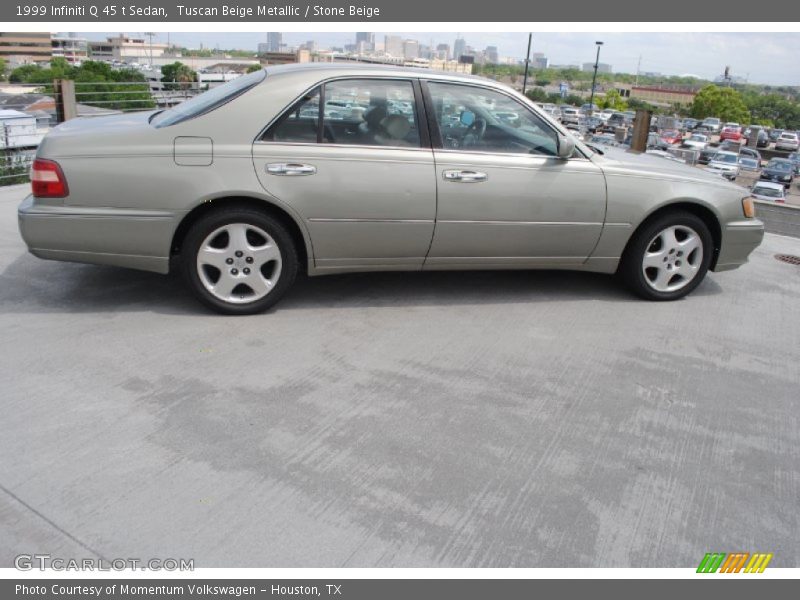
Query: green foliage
253 68
773 109
612 100
177 76
96 83
723 102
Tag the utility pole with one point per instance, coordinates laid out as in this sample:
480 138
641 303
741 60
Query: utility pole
594 75
527 62
638 66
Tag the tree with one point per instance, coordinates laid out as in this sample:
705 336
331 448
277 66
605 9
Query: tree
612 100
96 83
177 76
253 68
725 103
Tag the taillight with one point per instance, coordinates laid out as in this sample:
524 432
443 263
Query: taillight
47 179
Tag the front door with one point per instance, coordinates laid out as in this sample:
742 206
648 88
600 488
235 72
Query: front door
505 198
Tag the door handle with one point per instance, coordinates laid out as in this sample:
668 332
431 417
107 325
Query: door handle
465 176
290 169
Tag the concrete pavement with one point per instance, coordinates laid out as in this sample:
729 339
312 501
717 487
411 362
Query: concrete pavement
457 419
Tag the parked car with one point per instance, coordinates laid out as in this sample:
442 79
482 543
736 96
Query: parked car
698 141
242 192
706 154
795 158
731 133
779 170
763 139
748 164
672 136
724 163
750 153
690 124
787 141
570 115
713 124
771 192
774 134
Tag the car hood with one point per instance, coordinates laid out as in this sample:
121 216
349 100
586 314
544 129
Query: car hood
97 135
615 161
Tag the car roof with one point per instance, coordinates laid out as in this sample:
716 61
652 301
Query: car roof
725 152
769 185
323 70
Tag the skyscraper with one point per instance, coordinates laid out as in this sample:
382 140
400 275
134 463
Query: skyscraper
274 41
393 45
366 41
459 47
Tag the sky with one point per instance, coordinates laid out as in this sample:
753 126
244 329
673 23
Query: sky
766 58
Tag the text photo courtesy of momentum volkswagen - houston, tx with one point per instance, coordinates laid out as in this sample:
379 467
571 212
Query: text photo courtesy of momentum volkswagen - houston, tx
455 300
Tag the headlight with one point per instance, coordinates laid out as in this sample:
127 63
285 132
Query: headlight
749 207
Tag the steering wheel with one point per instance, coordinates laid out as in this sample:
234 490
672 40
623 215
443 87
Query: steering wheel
474 133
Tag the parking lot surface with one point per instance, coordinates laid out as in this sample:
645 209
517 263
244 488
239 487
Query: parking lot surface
502 419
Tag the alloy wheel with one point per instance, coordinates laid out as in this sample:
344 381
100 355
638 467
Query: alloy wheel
239 263
672 258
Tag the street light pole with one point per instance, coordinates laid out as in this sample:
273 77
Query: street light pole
527 62
594 76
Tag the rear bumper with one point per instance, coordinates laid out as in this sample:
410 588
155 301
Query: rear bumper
130 238
739 239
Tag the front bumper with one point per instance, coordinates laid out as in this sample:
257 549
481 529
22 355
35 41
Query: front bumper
137 239
739 239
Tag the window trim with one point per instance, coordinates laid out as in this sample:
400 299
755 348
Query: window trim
436 138
423 122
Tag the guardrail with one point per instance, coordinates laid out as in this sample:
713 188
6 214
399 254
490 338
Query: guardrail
783 219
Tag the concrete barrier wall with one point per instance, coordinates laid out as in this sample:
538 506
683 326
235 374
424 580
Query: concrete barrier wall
779 218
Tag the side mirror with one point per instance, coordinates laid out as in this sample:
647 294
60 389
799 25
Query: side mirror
566 146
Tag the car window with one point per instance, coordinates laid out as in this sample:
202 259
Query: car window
299 124
769 192
208 101
370 112
473 118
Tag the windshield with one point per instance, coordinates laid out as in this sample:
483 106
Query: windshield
779 166
208 101
768 192
726 158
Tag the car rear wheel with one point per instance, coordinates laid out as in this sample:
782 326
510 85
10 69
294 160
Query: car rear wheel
667 258
239 261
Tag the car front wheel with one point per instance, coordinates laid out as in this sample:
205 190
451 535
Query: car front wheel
239 261
667 258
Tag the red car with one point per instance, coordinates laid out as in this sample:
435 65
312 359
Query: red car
731 133
671 136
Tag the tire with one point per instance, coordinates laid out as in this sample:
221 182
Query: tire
667 258
239 261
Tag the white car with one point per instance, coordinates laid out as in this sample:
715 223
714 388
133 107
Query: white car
725 164
698 141
605 114
787 141
713 124
771 192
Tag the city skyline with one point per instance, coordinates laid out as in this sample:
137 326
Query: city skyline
758 58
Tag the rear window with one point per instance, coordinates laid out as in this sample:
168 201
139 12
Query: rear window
208 101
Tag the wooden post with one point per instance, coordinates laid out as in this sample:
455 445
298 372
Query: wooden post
66 107
641 129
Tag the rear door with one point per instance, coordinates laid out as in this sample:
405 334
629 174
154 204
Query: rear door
351 158
505 198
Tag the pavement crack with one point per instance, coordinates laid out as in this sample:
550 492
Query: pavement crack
52 524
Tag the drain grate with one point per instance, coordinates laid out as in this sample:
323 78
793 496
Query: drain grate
788 258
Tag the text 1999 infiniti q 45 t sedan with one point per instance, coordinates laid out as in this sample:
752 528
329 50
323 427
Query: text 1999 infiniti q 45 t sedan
338 168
